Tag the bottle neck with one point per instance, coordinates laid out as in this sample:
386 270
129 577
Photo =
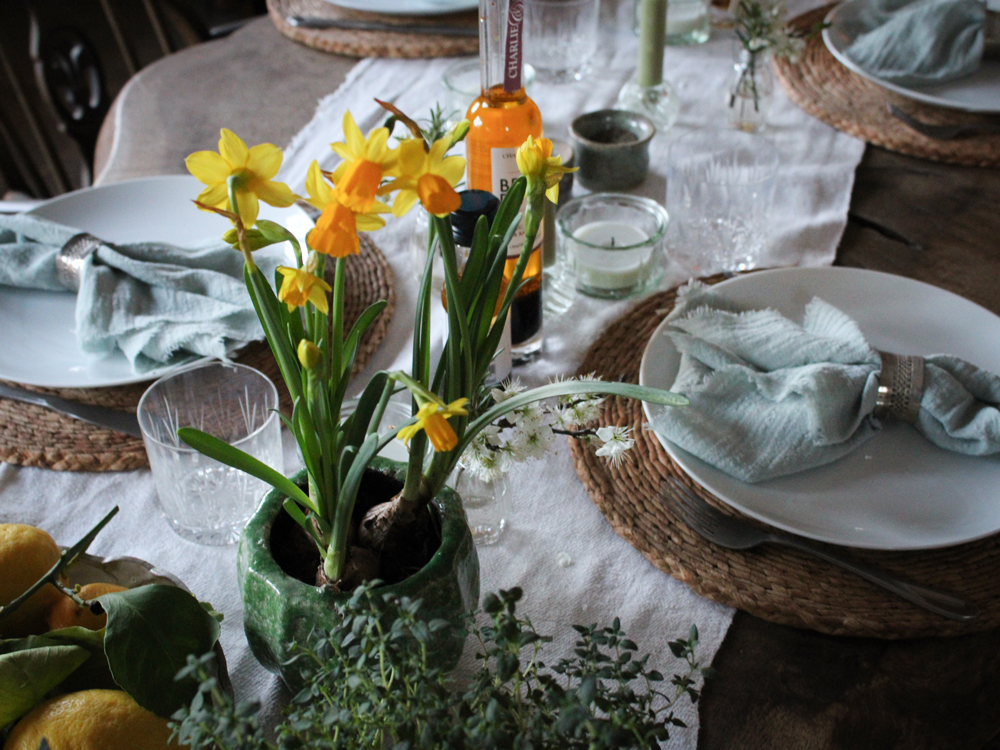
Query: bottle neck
501 42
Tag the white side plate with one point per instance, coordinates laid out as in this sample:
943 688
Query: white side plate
408 7
38 340
898 491
979 92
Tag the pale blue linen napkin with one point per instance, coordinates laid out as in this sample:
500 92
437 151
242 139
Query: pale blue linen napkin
770 397
915 42
158 303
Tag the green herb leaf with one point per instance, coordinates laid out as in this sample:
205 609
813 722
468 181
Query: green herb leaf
27 675
151 630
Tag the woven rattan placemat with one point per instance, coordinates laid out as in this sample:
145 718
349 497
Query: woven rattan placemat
35 436
374 43
770 582
827 90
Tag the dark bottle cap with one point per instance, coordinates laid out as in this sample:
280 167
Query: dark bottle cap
475 203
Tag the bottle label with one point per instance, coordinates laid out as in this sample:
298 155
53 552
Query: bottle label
512 56
503 168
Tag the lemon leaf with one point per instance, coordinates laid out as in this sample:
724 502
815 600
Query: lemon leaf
151 630
27 675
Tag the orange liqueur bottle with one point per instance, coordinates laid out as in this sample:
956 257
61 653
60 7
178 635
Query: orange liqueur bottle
501 119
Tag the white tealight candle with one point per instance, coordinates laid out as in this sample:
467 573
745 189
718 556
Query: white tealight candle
605 266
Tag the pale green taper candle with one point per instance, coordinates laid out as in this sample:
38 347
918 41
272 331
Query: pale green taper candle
652 33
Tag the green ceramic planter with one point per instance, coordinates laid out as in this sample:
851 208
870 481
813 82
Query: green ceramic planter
279 609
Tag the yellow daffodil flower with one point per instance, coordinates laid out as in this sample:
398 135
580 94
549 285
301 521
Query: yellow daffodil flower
366 161
426 176
254 167
299 287
536 162
432 417
336 231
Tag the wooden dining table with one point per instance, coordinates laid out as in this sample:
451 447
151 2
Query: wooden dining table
777 687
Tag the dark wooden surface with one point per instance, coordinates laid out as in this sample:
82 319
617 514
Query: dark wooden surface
785 689
778 687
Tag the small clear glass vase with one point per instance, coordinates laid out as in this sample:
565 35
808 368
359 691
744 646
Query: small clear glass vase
487 504
752 91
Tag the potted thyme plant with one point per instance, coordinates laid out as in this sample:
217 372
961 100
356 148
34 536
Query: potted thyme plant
415 536
605 695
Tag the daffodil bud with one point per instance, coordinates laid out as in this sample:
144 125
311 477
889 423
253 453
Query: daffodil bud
309 354
458 133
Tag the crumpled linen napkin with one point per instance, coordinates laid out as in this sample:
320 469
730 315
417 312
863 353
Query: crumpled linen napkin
916 42
158 303
770 397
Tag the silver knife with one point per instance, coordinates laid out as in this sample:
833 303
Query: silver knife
310 22
112 419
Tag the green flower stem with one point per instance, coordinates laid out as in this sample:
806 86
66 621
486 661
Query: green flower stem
337 322
465 343
232 182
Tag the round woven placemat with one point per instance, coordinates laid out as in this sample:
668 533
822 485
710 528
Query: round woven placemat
827 90
35 436
374 43
770 582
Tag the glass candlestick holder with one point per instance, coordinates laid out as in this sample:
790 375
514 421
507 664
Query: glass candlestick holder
658 102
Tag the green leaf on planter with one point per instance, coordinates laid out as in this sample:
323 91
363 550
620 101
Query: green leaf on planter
151 630
27 675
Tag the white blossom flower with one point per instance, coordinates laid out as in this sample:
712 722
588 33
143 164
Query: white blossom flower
508 388
531 439
584 412
616 444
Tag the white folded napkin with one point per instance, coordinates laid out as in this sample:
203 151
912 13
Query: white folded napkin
158 303
770 397
915 42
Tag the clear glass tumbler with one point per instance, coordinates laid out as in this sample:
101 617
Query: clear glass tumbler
205 501
560 38
720 186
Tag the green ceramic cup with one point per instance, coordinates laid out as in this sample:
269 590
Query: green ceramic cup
279 609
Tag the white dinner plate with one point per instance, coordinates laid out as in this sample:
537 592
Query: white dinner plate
978 92
898 491
38 339
408 7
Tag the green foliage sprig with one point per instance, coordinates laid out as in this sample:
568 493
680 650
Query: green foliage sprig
371 684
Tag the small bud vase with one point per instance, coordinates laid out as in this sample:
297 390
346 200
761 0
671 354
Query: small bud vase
752 90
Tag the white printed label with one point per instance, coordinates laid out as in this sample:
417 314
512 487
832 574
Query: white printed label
503 169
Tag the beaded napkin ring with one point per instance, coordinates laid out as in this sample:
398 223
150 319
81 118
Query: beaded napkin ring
72 256
901 387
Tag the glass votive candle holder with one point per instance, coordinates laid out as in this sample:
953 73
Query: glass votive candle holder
462 82
613 243
203 500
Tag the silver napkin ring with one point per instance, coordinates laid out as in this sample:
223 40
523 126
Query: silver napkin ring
900 387
71 258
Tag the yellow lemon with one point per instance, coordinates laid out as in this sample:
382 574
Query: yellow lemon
91 720
65 612
26 554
